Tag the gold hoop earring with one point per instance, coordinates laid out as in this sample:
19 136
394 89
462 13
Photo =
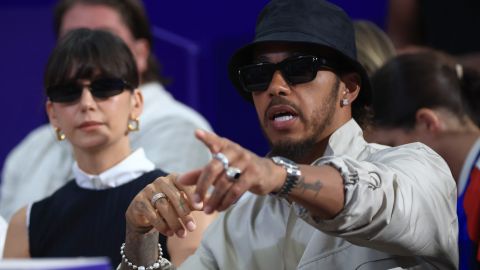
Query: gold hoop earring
133 124
60 134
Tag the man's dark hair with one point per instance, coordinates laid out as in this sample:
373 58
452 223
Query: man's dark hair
86 54
133 15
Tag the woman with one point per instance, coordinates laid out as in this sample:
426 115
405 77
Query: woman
93 101
428 97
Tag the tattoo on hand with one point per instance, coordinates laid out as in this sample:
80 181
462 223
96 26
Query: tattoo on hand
140 206
315 186
182 204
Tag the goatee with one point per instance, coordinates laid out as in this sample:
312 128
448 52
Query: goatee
295 151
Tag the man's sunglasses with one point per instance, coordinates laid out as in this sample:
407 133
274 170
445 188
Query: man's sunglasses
102 88
295 70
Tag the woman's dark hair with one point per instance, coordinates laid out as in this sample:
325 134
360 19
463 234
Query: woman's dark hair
427 79
133 15
86 54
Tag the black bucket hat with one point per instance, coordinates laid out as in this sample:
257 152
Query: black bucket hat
314 23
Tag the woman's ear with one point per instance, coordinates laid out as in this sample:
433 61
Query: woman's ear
136 103
52 118
428 120
352 86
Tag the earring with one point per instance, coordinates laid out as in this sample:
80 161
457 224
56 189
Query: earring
344 102
133 124
60 134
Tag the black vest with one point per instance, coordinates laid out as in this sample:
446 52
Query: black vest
77 222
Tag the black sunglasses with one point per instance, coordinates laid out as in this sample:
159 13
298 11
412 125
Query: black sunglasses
295 70
102 88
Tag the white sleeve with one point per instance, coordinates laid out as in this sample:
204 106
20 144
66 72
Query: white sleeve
401 200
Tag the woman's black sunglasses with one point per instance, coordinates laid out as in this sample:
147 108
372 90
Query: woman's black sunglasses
295 70
102 88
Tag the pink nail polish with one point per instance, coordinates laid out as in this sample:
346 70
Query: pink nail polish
191 226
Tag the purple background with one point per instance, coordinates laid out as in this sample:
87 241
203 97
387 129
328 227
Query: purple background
194 40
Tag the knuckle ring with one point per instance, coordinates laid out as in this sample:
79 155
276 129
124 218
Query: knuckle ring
233 174
222 158
157 196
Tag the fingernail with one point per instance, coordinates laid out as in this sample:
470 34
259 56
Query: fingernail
181 233
191 226
196 198
170 233
198 206
208 209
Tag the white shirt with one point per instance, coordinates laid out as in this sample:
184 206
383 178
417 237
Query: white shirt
127 170
399 213
3 235
40 164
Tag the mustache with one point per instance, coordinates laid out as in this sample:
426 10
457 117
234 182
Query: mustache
278 100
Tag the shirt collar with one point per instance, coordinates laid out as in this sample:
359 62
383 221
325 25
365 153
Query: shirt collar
127 170
468 164
346 139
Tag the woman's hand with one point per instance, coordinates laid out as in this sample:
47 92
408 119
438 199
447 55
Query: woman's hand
169 214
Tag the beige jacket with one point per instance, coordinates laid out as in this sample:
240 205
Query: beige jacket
399 214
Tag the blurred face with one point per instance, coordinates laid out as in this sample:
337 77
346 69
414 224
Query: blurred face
296 118
92 123
105 18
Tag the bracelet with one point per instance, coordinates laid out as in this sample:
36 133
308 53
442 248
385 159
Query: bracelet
160 263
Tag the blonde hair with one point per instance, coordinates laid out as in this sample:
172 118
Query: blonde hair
374 47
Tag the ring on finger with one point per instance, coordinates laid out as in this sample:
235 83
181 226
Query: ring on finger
233 174
157 196
222 158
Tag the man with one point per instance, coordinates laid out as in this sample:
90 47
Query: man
40 164
325 199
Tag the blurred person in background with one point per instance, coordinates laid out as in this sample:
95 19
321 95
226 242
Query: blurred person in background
374 47
3 233
39 164
428 97
445 25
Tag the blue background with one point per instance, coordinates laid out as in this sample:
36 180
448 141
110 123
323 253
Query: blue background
193 41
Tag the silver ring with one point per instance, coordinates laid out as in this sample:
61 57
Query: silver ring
157 196
222 158
233 174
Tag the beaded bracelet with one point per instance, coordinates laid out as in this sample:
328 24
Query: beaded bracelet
161 262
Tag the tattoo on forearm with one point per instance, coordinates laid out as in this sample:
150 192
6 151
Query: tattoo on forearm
314 186
141 249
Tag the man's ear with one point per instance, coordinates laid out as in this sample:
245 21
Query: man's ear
428 120
352 86
141 52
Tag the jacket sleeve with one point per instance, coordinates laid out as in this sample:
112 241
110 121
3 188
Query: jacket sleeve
400 200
